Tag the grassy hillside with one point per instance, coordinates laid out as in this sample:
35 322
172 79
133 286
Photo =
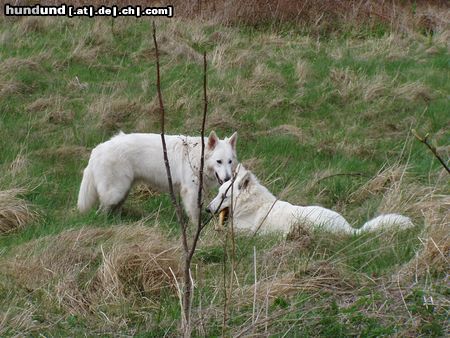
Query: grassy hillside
322 119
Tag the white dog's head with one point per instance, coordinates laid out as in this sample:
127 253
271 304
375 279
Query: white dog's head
236 188
220 157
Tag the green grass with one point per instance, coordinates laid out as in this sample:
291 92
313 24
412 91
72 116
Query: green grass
340 131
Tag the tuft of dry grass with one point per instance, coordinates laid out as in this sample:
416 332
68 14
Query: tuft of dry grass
386 177
317 276
15 212
19 164
217 119
33 24
11 87
82 269
263 76
353 84
285 129
14 64
113 112
350 84
302 70
69 151
401 194
84 54
177 41
433 256
414 91
53 107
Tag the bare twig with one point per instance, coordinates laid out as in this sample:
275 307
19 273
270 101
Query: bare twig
189 250
188 283
202 161
255 285
189 254
175 203
424 140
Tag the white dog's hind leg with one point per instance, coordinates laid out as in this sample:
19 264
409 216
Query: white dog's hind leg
113 196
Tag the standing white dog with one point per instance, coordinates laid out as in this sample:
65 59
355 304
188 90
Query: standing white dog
126 158
256 209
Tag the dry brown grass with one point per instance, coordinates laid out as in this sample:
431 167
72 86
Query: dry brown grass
177 40
314 277
11 87
319 16
64 152
15 212
303 71
350 84
19 164
218 119
113 112
433 256
379 183
263 76
82 269
400 193
10 66
413 91
285 129
53 107
32 24
14 64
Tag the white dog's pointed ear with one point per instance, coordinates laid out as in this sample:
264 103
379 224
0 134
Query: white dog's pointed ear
212 140
245 180
232 140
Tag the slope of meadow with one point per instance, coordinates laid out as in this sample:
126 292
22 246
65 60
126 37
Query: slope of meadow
322 119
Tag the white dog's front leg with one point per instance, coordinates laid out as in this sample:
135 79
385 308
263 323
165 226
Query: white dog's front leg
189 196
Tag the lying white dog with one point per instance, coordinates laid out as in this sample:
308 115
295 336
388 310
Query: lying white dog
256 209
126 158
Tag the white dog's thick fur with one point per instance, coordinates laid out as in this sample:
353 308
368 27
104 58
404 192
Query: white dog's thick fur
256 209
126 158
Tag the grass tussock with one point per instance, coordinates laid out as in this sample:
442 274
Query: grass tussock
10 88
65 152
53 108
399 193
15 212
83 269
432 259
351 85
15 64
114 113
286 129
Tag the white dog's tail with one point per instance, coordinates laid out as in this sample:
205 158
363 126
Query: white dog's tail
88 194
386 221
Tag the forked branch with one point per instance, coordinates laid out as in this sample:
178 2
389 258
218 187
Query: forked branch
187 298
202 162
188 249
175 202
424 140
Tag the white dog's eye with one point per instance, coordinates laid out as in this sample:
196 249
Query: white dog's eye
230 161
219 161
